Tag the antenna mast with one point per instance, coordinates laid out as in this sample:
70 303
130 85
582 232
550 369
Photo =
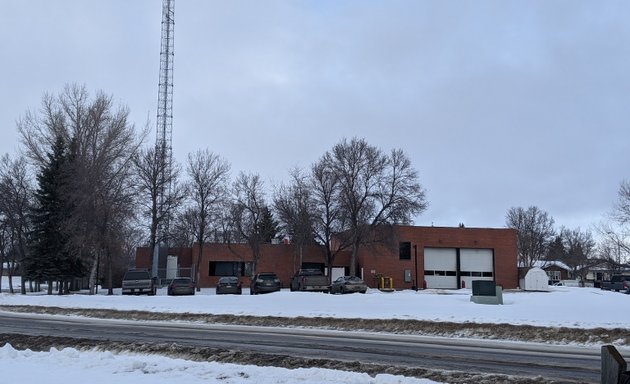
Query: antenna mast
164 138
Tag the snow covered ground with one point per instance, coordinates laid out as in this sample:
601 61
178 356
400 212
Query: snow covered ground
72 366
562 306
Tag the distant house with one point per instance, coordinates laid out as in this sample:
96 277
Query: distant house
555 270
604 271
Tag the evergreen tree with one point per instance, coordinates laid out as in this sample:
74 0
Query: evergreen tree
49 259
268 227
556 250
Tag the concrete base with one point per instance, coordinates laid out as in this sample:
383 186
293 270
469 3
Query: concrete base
496 299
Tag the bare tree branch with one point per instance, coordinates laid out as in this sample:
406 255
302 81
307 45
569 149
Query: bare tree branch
535 232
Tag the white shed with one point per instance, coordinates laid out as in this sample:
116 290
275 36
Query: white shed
535 280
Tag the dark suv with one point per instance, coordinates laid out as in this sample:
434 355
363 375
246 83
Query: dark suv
264 282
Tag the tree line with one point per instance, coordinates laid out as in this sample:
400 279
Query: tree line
86 191
539 241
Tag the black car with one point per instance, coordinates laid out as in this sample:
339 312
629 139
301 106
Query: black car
181 286
264 282
229 284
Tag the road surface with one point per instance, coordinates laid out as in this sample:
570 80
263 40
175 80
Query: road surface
562 363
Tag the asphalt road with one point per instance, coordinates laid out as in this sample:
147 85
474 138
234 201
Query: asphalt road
562 363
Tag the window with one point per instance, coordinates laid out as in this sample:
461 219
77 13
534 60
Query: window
318 266
476 274
554 275
404 250
226 268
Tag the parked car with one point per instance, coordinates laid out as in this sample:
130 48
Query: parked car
181 286
229 284
348 284
138 282
617 283
264 282
310 280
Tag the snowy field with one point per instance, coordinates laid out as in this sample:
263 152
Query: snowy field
562 306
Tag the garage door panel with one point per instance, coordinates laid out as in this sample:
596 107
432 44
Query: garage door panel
479 260
441 282
440 268
440 259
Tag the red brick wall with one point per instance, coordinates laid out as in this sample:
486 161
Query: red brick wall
143 257
283 259
384 259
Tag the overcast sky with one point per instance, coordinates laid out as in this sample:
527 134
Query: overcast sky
497 103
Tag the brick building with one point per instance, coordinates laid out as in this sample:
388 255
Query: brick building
430 257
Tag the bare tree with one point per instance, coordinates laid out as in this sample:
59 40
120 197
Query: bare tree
160 193
208 187
102 143
183 228
248 213
618 231
15 206
535 230
614 245
4 249
296 210
328 222
580 251
622 208
374 189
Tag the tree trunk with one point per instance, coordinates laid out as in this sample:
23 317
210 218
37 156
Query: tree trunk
10 280
198 265
110 289
353 259
93 278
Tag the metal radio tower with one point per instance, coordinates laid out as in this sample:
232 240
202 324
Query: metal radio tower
163 143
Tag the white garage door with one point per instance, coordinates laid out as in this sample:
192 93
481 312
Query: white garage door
337 272
475 264
440 267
